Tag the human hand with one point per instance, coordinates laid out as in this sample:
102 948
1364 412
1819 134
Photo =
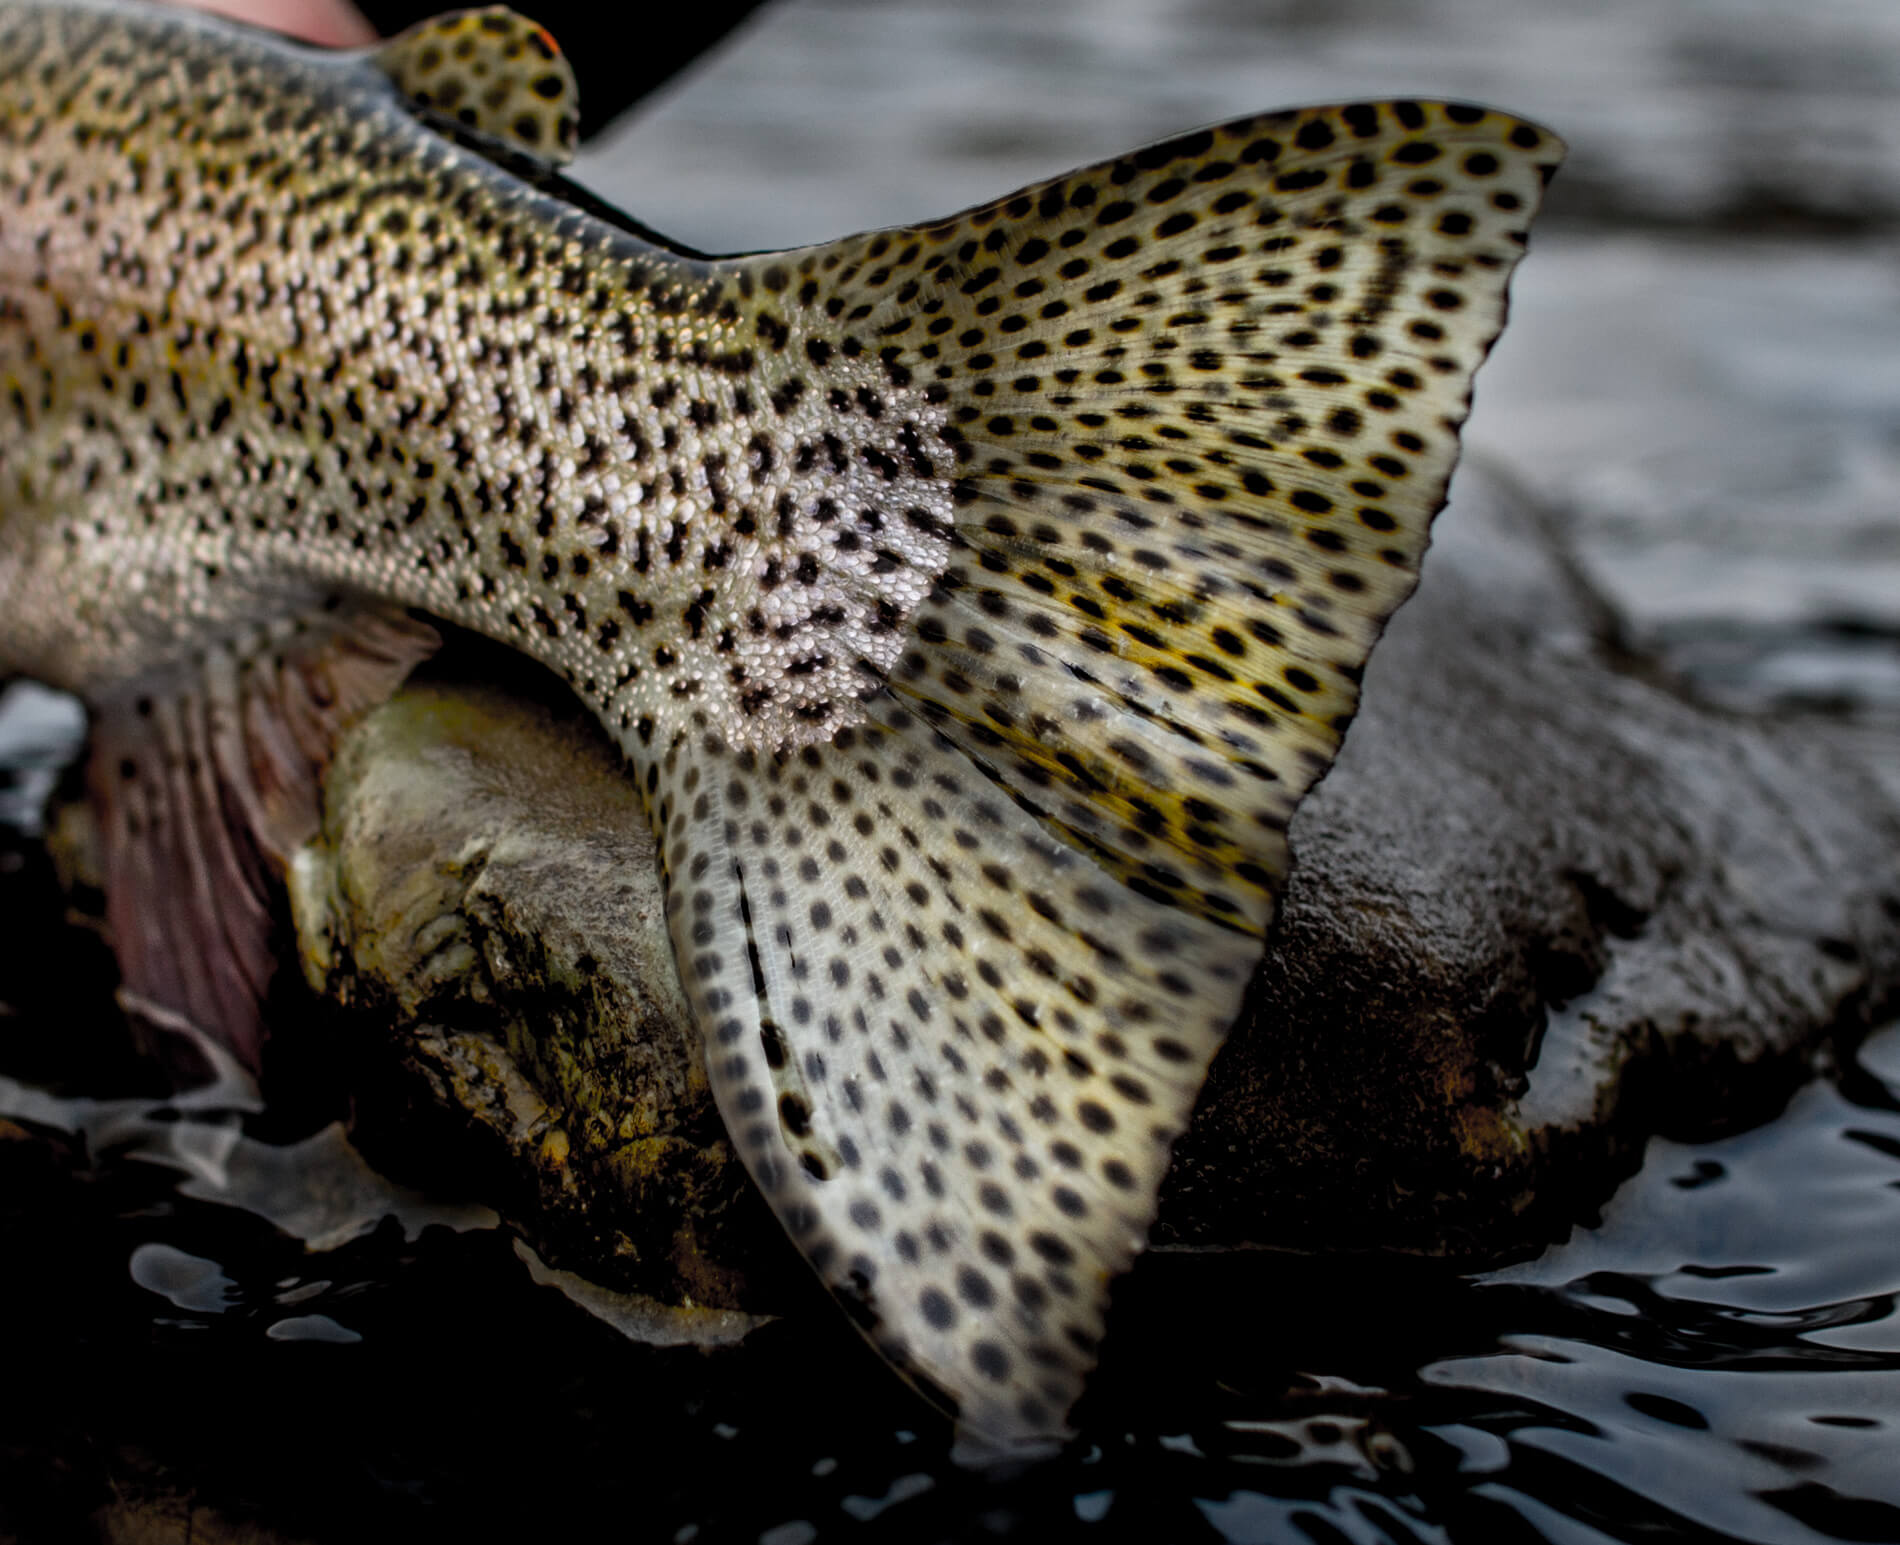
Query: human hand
334 23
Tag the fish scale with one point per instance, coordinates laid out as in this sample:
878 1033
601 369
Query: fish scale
376 348
974 602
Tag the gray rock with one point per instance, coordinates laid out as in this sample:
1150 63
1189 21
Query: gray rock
1544 905
486 892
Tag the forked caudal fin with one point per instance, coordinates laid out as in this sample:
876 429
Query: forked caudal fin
963 965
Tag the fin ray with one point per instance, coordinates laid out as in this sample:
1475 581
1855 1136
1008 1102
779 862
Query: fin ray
205 782
1177 427
950 1055
1202 402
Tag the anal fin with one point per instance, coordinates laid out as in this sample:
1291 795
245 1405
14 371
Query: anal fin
204 779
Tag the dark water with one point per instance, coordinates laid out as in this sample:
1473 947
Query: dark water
1717 1359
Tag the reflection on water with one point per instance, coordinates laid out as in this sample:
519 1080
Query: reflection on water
1718 1358
1723 1350
207 1321
40 732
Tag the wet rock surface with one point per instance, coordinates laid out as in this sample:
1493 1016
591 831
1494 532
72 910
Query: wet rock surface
1613 844
1544 903
486 904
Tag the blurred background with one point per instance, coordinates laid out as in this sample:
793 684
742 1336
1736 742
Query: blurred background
1702 373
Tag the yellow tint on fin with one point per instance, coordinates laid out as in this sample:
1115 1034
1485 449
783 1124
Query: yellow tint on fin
493 72
963 965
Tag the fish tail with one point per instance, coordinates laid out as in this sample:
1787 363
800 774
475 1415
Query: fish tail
962 965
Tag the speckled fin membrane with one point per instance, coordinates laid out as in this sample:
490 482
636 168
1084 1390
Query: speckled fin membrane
204 782
963 967
493 72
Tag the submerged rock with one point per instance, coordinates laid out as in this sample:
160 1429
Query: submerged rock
1544 905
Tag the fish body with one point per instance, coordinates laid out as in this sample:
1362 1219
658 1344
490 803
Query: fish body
974 602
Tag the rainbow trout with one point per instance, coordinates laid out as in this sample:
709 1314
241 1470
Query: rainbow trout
973 602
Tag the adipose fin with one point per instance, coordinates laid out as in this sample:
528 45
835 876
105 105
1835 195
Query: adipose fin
492 72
